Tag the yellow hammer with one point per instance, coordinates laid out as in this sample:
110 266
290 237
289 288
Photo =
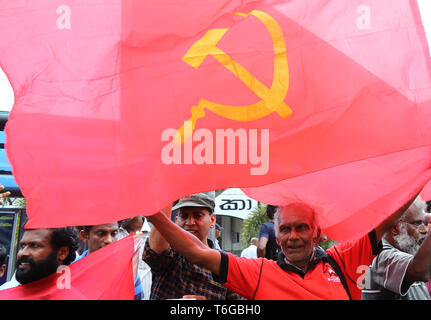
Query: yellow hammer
272 99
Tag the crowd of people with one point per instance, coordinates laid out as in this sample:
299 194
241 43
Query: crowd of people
285 261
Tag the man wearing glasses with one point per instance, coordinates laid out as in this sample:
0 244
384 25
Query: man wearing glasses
173 275
403 267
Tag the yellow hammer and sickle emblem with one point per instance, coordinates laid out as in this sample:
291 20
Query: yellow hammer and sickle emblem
272 99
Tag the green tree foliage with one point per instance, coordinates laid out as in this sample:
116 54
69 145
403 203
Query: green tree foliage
10 202
327 244
250 226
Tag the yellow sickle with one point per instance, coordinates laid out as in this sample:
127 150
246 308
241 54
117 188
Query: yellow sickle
272 99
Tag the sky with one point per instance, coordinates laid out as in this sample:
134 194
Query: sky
7 96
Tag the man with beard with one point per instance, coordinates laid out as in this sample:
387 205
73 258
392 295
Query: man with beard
42 252
404 265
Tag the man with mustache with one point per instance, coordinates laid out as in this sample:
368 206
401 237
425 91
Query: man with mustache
174 276
42 252
99 236
404 265
303 270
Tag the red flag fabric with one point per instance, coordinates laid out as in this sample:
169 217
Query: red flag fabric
124 106
426 192
106 274
353 199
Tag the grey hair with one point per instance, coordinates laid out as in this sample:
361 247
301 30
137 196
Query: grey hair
297 205
417 205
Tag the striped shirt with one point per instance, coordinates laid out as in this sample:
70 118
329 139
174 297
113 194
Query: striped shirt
385 278
174 276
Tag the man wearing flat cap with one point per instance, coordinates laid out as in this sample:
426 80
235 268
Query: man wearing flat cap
175 277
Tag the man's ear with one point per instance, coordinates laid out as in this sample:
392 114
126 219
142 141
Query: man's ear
83 235
395 230
2 270
62 254
317 235
213 220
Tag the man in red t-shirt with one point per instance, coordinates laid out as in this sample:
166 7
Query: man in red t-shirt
302 271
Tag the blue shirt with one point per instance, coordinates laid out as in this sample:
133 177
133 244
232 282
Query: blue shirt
267 231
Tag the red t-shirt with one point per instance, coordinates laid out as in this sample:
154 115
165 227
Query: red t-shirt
263 279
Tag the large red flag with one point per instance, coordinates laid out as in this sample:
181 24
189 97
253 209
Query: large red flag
106 274
124 106
354 198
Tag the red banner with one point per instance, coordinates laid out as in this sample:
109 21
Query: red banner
106 274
